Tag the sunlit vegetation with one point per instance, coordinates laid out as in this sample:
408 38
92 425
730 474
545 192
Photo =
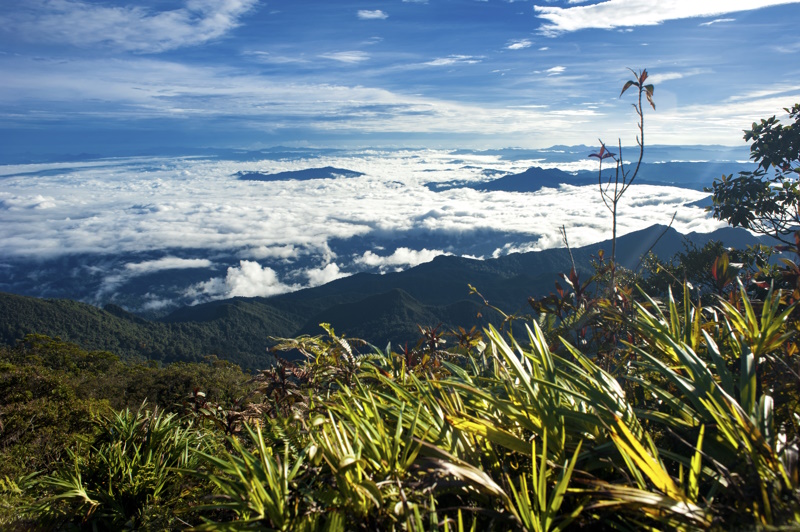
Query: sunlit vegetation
683 422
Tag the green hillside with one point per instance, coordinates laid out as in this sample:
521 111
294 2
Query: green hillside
234 330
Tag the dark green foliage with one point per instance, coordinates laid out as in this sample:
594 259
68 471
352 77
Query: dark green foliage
126 478
51 393
710 270
765 200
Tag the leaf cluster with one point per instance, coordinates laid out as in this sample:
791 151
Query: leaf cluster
767 199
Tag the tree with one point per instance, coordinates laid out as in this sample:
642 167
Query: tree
766 200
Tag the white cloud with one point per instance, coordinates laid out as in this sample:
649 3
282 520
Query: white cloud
268 57
454 60
27 202
155 302
347 57
717 21
401 257
377 14
661 77
767 93
165 263
511 248
631 13
129 28
519 44
273 252
250 279
556 70
320 276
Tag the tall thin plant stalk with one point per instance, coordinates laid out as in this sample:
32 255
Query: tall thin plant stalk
614 186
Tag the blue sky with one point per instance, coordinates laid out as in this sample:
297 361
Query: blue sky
114 76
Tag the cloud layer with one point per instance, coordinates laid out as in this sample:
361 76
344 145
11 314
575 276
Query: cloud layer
273 237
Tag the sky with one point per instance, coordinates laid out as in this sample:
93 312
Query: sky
119 77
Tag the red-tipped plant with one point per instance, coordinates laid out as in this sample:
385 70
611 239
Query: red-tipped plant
614 187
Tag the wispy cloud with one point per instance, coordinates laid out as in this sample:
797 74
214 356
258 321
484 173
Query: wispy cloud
519 44
787 48
277 59
767 93
661 77
454 60
631 13
146 89
127 28
366 14
354 56
717 21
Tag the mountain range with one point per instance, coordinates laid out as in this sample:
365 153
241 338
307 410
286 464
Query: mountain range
681 174
378 308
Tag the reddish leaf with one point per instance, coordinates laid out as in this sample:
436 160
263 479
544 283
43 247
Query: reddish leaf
573 278
604 153
649 93
627 86
559 289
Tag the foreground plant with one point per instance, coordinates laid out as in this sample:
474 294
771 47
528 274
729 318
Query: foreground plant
709 392
127 477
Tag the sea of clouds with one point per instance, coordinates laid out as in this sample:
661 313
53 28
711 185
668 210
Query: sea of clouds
129 218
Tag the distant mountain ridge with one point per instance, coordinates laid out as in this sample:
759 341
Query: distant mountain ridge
378 308
327 172
682 174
